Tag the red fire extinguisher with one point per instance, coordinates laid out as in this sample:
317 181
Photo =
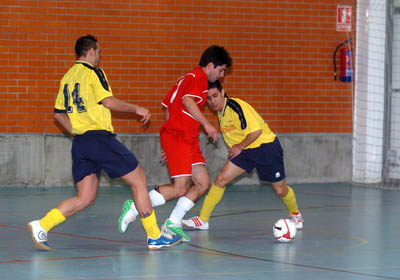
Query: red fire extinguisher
346 67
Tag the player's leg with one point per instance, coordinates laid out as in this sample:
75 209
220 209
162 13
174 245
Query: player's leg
201 180
86 194
173 225
177 152
119 161
270 167
288 197
136 179
185 164
158 196
229 172
129 211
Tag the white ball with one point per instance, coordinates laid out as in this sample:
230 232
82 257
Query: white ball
285 230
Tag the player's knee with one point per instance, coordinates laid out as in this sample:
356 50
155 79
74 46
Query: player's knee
220 180
180 192
203 186
181 187
281 189
84 202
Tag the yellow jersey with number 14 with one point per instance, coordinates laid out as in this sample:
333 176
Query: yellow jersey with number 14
238 119
82 89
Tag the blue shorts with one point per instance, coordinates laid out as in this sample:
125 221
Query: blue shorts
99 149
267 159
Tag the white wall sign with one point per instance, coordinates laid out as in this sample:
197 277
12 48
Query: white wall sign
343 19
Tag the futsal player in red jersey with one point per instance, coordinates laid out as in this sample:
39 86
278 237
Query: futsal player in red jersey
179 140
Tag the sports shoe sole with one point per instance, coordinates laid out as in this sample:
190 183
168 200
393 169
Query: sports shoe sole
40 245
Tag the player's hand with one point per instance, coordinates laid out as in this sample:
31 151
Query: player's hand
234 151
212 133
163 157
144 113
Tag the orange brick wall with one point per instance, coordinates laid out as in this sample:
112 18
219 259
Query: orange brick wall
281 49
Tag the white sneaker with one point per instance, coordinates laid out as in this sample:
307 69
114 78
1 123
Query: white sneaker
128 216
38 235
195 223
297 219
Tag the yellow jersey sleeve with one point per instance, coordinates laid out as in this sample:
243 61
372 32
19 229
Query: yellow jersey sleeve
60 102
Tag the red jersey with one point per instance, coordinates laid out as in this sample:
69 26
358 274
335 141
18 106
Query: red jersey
194 84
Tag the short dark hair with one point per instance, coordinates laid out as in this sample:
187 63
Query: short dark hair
217 55
216 84
84 44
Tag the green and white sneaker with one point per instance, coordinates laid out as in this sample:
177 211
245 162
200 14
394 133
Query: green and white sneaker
128 216
175 229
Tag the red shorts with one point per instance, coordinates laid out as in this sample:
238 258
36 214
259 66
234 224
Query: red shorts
181 152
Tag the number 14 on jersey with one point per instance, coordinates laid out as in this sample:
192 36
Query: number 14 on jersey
76 99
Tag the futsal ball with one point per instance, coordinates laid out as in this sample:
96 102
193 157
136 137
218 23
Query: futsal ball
285 230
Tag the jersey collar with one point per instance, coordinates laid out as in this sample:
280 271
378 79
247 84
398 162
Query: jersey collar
226 103
87 64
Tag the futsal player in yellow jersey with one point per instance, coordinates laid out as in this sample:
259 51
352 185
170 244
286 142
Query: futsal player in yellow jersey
82 108
252 144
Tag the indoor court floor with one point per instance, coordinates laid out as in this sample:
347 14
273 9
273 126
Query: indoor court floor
350 232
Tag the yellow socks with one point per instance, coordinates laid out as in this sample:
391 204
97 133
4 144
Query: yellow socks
150 226
212 199
290 201
52 219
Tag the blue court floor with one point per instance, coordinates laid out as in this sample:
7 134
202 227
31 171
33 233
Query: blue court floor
349 233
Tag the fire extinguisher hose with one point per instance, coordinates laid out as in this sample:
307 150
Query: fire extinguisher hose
334 61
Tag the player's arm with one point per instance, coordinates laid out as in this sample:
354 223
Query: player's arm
118 105
163 157
194 110
166 113
64 121
238 148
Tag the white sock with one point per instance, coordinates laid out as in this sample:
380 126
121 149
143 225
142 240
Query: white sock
156 198
183 205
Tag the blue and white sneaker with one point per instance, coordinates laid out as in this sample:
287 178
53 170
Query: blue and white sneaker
38 235
163 241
